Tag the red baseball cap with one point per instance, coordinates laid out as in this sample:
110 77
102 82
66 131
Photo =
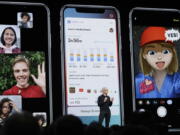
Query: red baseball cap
153 34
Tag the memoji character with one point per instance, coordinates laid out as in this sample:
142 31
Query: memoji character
159 65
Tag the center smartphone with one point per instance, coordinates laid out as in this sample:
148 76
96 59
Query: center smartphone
91 60
25 59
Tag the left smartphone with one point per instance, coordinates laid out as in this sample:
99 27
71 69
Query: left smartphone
25 59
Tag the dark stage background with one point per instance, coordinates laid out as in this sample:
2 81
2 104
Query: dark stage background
124 6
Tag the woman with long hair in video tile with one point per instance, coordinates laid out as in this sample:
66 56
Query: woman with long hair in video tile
21 71
6 108
8 41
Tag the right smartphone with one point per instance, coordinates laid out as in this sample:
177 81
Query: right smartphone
155 47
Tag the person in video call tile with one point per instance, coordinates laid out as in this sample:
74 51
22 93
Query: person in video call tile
41 120
25 17
159 65
21 73
104 102
7 107
8 41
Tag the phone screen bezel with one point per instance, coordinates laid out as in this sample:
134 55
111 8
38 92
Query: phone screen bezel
38 7
63 52
134 14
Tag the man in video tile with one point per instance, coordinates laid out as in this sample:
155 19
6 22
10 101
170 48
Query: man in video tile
21 71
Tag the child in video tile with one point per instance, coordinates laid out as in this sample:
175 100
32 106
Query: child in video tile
159 65
8 41
21 73
25 19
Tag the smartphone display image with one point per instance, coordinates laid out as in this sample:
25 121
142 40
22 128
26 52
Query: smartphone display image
41 118
155 46
13 46
8 106
25 20
91 59
25 56
27 74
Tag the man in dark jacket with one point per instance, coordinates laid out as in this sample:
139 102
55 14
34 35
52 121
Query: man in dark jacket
104 101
